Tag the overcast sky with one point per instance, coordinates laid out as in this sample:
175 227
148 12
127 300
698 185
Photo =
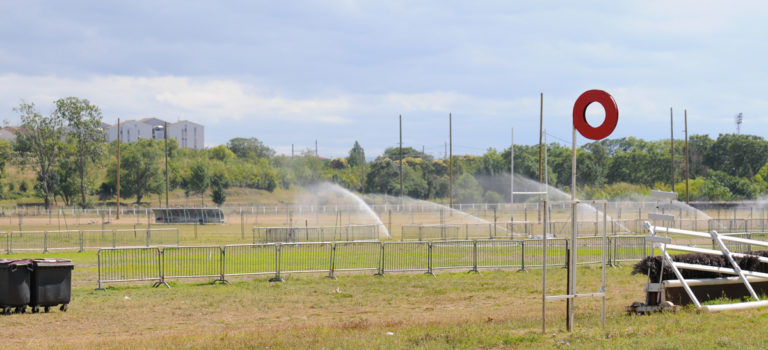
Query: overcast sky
292 72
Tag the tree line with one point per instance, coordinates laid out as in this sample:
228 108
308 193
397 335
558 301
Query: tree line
72 162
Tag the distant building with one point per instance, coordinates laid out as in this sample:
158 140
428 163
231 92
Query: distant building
189 134
9 133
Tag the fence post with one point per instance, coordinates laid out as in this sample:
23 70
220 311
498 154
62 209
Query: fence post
148 238
332 268
474 257
278 253
45 242
429 259
161 269
381 260
82 238
522 256
114 237
222 256
98 270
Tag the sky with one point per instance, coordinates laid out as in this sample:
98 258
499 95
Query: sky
336 72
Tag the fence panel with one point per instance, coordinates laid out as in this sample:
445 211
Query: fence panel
362 232
128 264
250 259
499 253
534 252
95 239
163 237
405 256
184 262
453 254
62 240
433 232
305 257
629 248
590 250
23 241
131 238
357 256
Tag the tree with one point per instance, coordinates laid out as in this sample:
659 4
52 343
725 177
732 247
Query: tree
217 195
249 147
221 153
141 167
42 140
84 131
737 154
199 180
408 152
356 155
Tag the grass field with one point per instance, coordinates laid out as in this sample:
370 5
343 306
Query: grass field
455 309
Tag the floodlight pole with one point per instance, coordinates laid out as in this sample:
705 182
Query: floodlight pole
118 170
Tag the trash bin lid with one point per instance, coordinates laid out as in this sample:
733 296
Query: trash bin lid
15 262
53 263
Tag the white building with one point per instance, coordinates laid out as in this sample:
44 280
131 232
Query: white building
189 134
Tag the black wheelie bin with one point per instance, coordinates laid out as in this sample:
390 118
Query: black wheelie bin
51 284
14 285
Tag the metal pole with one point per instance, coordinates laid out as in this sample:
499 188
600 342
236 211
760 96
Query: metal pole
605 243
541 145
544 272
401 159
118 170
165 135
512 177
450 155
572 256
671 150
685 118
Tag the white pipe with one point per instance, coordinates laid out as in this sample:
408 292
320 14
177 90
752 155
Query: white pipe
717 269
706 235
712 251
737 306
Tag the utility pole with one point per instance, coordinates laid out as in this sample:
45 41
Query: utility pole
165 135
401 158
672 150
685 119
317 155
450 157
291 151
118 170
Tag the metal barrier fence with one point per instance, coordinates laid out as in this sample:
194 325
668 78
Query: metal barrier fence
285 234
129 264
139 264
73 240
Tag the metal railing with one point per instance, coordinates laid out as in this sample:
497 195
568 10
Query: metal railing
155 264
73 240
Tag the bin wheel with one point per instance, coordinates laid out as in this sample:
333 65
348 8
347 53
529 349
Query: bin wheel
47 309
21 309
64 307
35 309
7 310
